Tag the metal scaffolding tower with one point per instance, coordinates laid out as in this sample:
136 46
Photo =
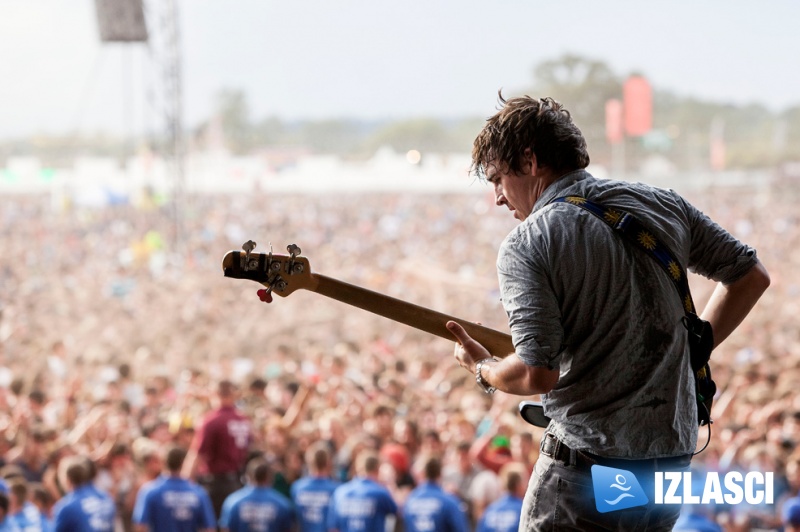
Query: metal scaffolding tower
127 21
165 51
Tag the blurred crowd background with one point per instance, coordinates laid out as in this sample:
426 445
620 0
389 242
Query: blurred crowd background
112 340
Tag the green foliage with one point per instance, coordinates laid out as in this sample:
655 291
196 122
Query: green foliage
425 135
61 150
753 135
234 116
332 136
584 86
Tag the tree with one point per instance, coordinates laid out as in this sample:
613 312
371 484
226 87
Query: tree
234 114
583 85
418 134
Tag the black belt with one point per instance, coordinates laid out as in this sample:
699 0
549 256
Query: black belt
557 450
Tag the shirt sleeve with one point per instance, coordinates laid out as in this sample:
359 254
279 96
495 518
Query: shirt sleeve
530 302
457 517
146 516
287 519
138 508
64 521
225 513
715 253
201 442
389 505
333 523
208 519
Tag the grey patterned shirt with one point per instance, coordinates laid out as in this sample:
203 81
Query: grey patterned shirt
582 299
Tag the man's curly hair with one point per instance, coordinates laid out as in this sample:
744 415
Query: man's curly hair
543 126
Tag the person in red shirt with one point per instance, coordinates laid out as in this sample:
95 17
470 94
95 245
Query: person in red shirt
219 451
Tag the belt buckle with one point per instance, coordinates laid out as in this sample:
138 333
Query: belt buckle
554 448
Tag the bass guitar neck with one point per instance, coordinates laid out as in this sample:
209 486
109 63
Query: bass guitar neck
284 274
424 319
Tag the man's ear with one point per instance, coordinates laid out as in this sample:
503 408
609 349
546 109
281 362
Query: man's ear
530 167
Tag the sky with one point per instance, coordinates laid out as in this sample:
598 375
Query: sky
380 59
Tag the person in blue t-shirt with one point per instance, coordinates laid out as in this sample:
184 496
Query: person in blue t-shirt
503 515
691 521
173 504
84 508
429 507
312 494
257 507
23 513
362 504
790 515
43 501
6 525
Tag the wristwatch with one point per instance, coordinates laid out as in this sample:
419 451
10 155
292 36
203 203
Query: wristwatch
479 378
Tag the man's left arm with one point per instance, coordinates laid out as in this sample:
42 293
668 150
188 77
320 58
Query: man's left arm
730 304
718 255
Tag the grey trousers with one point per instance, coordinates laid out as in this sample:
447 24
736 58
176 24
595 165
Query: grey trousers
561 498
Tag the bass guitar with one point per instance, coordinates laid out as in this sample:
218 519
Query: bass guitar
284 274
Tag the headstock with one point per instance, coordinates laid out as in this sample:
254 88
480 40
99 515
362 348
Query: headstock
281 274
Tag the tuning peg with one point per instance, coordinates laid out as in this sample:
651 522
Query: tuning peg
265 295
247 247
293 249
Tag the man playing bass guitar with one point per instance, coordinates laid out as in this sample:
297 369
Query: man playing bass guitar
597 326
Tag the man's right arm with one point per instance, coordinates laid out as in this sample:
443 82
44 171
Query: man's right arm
191 462
510 375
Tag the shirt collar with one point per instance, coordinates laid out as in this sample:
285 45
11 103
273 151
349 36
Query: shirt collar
561 184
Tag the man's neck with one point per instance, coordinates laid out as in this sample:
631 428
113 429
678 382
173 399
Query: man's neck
539 179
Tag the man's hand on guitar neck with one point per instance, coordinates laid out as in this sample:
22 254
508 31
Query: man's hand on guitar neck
468 351
509 375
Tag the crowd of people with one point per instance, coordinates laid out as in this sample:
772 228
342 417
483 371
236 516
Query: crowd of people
120 338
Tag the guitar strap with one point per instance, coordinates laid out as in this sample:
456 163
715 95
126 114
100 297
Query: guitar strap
700 335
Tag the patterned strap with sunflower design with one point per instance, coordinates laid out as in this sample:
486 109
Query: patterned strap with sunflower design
626 224
700 344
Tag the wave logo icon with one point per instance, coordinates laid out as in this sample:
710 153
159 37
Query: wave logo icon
616 489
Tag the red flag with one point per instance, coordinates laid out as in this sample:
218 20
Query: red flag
614 121
638 99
